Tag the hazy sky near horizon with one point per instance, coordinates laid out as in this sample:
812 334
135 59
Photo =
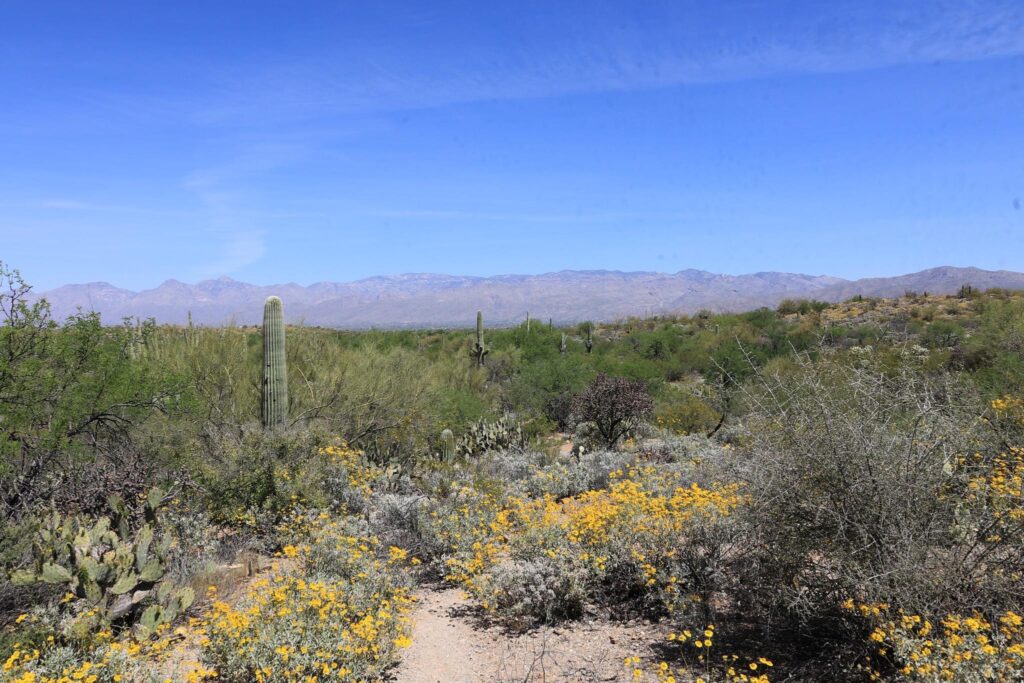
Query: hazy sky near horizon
276 142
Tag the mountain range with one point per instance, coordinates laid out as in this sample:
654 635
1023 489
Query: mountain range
428 300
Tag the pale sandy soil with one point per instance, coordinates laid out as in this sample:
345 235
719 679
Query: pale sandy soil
452 645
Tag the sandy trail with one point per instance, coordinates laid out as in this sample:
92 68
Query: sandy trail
445 648
451 646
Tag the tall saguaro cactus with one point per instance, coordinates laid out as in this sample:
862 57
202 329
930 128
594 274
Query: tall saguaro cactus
480 348
447 445
274 404
590 338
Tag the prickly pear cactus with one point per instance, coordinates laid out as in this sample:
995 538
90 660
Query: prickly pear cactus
117 570
274 404
170 604
500 435
480 349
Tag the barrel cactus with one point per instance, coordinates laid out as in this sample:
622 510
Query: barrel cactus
274 403
480 349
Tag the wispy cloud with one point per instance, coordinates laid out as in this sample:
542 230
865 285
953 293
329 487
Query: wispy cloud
388 58
237 251
79 206
228 217
514 217
616 51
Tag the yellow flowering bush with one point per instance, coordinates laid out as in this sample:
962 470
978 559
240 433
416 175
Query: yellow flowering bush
108 660
295 628
465 532
637 542
951 648
336 606
348 468
699 659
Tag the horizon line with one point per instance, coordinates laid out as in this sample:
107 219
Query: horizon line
610 271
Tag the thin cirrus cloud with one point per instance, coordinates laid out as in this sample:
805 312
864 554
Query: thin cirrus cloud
237 251
593 58
387 57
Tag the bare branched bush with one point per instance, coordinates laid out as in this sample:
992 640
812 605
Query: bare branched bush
860 481
615 405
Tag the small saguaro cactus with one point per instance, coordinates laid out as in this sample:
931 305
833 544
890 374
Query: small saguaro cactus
447 445
589 343
564 346
480 348
191 338
274 404
527 322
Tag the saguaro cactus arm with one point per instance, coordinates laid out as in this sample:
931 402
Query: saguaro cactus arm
479 347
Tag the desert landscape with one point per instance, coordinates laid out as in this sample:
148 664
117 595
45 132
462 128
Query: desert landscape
591 341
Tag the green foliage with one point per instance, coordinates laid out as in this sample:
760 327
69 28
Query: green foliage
995 350
684 413
70 394
801 306
547 385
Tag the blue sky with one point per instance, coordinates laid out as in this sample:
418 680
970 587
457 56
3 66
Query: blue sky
276 142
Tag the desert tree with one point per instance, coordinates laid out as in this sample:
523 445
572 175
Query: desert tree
616 406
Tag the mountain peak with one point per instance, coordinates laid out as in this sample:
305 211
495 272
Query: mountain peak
431 299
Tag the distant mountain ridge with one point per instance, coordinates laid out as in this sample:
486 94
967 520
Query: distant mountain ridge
431 300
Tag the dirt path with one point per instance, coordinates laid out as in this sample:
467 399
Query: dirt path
451 646
445 648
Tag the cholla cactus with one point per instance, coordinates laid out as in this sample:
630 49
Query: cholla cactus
480 349
274 404
447 445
